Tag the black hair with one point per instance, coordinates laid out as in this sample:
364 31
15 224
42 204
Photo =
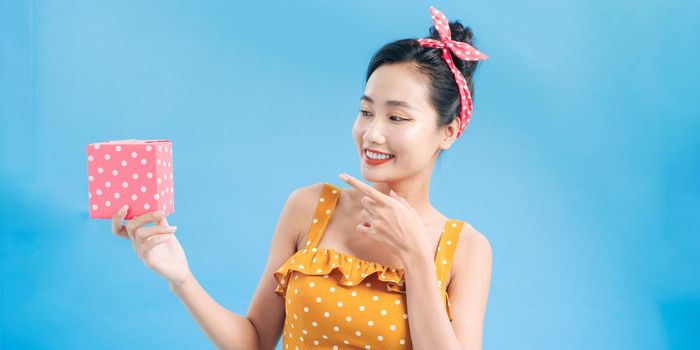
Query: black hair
431 67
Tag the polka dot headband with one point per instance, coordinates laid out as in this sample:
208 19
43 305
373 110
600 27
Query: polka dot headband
462 50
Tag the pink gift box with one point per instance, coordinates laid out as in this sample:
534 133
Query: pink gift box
138 173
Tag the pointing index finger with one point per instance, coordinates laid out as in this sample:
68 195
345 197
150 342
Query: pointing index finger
365 188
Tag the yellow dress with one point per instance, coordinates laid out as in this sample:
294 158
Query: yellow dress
338 301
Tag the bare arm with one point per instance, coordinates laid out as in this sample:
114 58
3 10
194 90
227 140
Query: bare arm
224 328
262 326
266 310
468 292
469 288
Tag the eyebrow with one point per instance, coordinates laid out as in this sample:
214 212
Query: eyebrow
395 103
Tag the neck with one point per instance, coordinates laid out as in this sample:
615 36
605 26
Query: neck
416 191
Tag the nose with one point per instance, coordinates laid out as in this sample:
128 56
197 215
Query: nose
374 134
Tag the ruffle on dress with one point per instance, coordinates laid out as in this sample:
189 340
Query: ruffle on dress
353 271
319 261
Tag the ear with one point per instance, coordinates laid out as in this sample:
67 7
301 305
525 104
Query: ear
448 134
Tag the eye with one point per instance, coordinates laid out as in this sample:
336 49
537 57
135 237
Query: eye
366 114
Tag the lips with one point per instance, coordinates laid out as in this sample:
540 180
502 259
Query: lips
377 151
372 161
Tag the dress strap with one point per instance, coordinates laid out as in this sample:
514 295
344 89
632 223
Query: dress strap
446 250
324 210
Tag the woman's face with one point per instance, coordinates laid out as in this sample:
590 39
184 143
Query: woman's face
396 118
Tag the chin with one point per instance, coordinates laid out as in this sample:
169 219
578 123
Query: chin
376 175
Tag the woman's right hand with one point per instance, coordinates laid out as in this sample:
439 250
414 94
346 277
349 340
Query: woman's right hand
156 245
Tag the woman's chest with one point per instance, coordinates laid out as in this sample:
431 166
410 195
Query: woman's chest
320 311
341 235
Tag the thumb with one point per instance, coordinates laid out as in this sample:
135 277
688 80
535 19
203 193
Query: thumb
163 221
400 199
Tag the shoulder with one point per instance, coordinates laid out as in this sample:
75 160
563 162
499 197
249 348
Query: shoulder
473 239
307 197
302 202
303 196
473 250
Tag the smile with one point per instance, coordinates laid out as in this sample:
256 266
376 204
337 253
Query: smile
373 158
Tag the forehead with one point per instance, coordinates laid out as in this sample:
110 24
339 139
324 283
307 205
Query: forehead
397 82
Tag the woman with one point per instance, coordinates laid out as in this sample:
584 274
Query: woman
389 263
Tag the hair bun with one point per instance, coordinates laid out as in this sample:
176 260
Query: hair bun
463 34
458 31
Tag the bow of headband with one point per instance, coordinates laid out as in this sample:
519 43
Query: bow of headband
460 49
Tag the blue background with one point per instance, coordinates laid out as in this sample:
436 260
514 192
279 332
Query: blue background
581 164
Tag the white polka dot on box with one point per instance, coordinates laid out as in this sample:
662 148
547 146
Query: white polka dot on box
138 173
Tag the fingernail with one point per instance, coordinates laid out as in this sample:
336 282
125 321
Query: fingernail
172 228
159 214
343 177
125 207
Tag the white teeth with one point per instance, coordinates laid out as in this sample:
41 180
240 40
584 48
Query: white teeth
373 155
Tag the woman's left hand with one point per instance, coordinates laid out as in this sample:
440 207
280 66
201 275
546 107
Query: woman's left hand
390 220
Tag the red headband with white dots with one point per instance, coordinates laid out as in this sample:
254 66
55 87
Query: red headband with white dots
462 50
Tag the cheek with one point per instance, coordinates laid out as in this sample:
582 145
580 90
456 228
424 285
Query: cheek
413 144
357 132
